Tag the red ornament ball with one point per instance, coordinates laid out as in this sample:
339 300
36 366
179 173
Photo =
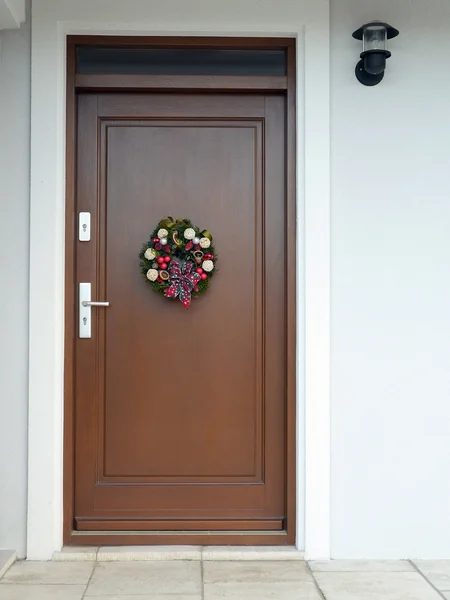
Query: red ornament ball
163 266
155 240
167 259
199 270
158 246
203 276
167 249
160 260
196 288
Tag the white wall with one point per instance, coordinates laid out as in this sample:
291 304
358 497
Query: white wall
391 286
12 13
14 274
390 309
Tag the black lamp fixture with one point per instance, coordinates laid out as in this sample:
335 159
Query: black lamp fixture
374 35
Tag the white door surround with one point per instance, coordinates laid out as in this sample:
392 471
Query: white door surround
52 21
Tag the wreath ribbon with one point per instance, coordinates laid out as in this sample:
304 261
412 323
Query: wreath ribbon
167 222
182 282
205 233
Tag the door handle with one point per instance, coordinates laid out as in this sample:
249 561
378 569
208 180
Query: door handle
85 304
89 303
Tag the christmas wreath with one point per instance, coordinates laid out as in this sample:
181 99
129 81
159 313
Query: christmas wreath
179 260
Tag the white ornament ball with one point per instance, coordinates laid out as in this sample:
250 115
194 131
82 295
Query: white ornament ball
208 265
163 241
196 240
152 274
150 254
189 233
205 243
162 233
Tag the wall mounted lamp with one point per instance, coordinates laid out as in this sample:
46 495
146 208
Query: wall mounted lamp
374 36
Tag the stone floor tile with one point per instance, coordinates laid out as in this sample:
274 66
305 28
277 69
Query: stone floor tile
157 577
140 553
255 572
41 592
436 571
147 597
372 566
293 590
49 572
229 553
375 586
76 553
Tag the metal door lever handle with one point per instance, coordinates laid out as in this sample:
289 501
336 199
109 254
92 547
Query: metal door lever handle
89 303
84 309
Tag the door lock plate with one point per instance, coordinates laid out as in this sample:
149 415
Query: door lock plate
84 311
84 227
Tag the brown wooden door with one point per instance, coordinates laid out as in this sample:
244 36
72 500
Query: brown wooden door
180 415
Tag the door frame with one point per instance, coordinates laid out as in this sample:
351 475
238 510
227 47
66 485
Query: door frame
176 84
54 20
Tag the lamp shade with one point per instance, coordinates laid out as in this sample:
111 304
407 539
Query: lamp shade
374 37
391 32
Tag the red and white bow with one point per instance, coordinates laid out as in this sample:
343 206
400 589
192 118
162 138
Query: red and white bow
182 282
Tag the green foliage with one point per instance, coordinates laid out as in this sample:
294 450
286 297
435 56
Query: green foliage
178 253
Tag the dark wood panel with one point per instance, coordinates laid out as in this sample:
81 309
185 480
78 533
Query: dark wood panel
182 106
146 156
230 538
181 448
86 355
182 42
119 82
174 526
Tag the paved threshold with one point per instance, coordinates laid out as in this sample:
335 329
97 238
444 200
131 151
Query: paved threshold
200 553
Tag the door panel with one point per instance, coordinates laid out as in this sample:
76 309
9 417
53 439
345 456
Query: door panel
181 415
